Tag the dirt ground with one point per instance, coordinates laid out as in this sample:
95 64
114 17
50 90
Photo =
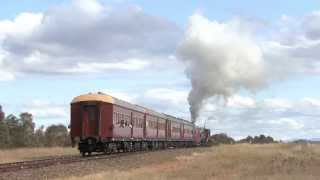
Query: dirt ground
241 161
24 154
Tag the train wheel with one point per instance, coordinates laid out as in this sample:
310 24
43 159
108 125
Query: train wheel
134 148
106 149
140 146
83 154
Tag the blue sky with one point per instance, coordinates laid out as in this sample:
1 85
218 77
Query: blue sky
43 69
213 9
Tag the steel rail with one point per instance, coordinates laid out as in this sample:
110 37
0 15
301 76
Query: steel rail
33 164
68 159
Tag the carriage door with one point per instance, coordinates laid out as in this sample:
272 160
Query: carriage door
91 119
168 129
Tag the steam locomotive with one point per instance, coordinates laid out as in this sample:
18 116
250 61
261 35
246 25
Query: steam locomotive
102 123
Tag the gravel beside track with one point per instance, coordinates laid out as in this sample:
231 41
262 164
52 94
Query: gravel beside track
33 164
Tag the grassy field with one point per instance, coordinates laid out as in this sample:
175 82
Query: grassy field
245 162
226 162
22 154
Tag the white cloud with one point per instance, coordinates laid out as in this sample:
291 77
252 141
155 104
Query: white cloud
287 123
169 95
237 101
95 35
311 25
130 65
6 76
44 110
162 100
95 38
277 103
311 101
22 25
92 7
279 117
293 49
121 95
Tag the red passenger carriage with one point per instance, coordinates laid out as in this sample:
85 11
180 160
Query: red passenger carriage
101 123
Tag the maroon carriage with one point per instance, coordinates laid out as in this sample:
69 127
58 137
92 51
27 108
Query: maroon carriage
101 123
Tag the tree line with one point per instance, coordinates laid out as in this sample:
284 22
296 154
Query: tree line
225 139
19 131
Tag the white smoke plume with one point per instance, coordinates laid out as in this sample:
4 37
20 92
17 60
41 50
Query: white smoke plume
221 58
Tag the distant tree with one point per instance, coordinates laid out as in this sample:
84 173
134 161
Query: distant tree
27 126
4 135
248 139
56 135
20 131
269 139
221 139
15 131
39 137
262 139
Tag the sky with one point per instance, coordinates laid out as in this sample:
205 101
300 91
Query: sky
241 68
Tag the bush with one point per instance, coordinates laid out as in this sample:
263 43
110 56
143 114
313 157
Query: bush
20 132
262 139
222 138
4 135
57 135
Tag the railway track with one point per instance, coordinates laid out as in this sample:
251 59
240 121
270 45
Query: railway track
33 164
14 166
40 163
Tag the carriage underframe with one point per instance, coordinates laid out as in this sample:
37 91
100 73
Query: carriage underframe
109 146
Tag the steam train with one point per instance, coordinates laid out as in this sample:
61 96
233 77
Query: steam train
102 123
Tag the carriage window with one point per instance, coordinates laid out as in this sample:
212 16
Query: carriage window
138 122
122 123
117 118
92 113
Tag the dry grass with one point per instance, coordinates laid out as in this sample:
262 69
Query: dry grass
244 162
21 154
240 162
